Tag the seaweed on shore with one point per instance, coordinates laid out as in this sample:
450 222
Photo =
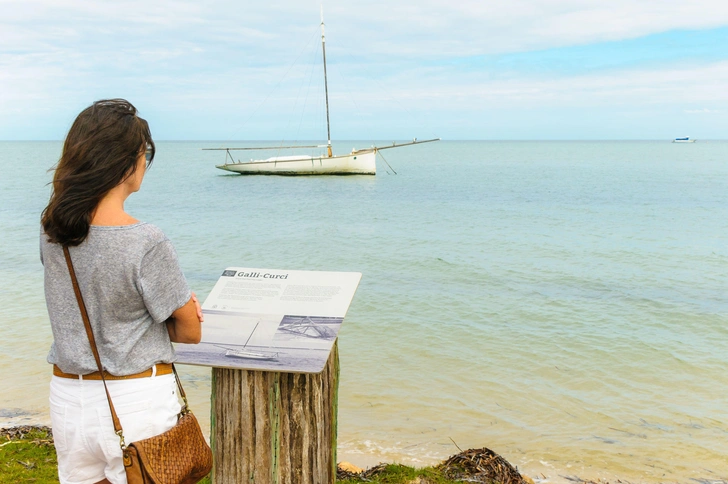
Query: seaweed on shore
43 435
480 465
374 471
345 474
473 465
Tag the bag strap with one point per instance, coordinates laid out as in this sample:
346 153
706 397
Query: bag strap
94 349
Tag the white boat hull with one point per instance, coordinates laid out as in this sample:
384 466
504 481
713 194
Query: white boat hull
355 163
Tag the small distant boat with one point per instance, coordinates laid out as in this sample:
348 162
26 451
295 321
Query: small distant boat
683 140
357 162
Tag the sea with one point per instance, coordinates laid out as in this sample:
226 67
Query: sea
563 303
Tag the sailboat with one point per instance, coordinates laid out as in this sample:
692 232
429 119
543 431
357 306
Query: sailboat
357 162
248 354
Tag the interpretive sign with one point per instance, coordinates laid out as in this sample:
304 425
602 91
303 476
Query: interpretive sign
271 320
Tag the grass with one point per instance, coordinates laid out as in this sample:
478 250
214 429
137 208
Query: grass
27 456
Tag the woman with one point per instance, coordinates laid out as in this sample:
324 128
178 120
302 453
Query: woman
135 294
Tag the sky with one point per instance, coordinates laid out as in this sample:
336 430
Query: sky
397 69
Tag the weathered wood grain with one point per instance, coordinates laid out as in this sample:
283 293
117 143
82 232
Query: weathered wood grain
275 428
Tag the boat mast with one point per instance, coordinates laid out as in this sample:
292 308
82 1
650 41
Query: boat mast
326 82
251 334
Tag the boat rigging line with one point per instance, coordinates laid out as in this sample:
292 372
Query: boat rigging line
385 160
326 82
395 145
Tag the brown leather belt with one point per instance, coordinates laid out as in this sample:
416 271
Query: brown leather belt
162 369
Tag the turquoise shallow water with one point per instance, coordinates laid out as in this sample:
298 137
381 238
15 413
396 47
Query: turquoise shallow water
563 303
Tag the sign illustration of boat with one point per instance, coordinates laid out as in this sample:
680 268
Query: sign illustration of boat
249 354
683 140
357 162
306 327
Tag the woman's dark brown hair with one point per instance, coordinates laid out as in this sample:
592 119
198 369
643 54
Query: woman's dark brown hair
100 152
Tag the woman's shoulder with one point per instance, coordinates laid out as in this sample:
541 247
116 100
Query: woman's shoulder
150 231
146 234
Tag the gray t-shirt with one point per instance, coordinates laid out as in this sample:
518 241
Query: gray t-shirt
131 282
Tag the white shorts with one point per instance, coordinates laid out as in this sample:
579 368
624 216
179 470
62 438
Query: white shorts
87 447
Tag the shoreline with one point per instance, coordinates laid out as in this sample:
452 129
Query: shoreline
24 418
351 467
367 454
540 471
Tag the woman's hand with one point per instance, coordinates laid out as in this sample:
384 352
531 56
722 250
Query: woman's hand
200 316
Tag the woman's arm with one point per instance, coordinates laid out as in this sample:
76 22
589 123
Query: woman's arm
184 326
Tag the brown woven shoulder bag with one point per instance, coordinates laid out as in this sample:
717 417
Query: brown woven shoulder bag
178 456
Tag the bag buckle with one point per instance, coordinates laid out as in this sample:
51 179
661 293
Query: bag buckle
122 444
186 407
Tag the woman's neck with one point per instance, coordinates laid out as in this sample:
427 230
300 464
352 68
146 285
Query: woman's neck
110 210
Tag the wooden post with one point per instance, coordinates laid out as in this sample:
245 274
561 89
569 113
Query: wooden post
275 428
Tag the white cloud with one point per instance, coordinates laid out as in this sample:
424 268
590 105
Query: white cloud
422 28
184 59
473 27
